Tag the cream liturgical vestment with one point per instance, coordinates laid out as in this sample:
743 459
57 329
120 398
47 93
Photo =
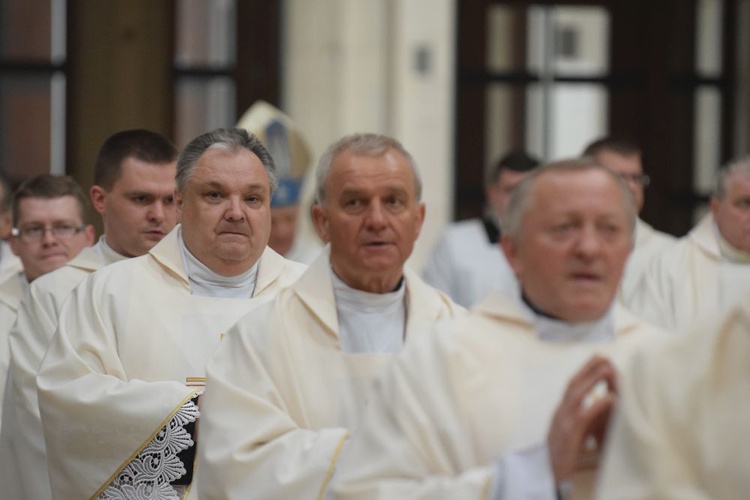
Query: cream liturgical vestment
693 280
681 427
649 243
21 440
13 285
453 403
467 263
281 394
115 385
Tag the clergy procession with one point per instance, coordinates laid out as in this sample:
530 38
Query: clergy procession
207 347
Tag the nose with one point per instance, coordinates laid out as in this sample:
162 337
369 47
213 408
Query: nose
589 243
376 215
48 239
156 213
234 210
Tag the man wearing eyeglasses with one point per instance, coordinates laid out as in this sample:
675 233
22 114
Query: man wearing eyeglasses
134 193
49 229
49 225
624 158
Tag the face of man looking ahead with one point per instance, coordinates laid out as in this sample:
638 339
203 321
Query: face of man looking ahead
225 210
371 216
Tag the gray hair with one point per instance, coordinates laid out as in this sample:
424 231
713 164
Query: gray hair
362 145
228 139
522 198
736 167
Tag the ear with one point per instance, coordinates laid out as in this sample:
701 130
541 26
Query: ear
90 234
421 212
492 194
98 194
13 241
714 204
510 249
6 225
178 205
321 222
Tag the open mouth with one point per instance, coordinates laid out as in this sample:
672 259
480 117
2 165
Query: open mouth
585 277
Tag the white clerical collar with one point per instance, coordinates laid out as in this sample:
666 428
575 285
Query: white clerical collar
106 252
729 252
365 301
555 330
369 322
207 283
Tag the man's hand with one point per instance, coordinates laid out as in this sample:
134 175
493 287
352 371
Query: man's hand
581 416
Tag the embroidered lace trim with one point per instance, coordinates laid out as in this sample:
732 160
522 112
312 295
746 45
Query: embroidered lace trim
148 475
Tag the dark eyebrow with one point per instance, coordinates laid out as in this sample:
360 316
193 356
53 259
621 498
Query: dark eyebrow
255 187
213 185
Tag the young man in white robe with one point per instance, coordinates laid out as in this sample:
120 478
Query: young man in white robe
480 408
134 193
681 427
706 272
49 229
290 381
119 385
467 261
624 158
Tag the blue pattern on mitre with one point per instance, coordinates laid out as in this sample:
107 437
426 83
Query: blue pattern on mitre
288 192
277 143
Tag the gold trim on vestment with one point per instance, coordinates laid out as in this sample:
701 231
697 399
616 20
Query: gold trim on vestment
332 467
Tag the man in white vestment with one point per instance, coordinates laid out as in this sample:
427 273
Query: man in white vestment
10 271
467 261
291 379
470 411
49 229
9 262
119 385
706 272
624 158
681 428
133 191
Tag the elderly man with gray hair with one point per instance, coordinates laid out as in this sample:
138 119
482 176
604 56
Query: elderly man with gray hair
707 271
119 386
291 379
480 408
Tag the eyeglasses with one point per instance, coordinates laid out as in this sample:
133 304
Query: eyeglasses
642 179
33 234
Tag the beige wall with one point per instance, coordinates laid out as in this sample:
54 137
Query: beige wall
351 66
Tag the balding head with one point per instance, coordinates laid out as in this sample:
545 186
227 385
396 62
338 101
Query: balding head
568 233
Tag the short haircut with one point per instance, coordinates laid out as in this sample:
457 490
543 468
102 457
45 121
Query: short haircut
362 145
515 161
228 139
620 146
6 192
736 167
521 199
48 187
143 145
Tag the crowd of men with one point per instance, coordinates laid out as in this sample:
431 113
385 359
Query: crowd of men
184 356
